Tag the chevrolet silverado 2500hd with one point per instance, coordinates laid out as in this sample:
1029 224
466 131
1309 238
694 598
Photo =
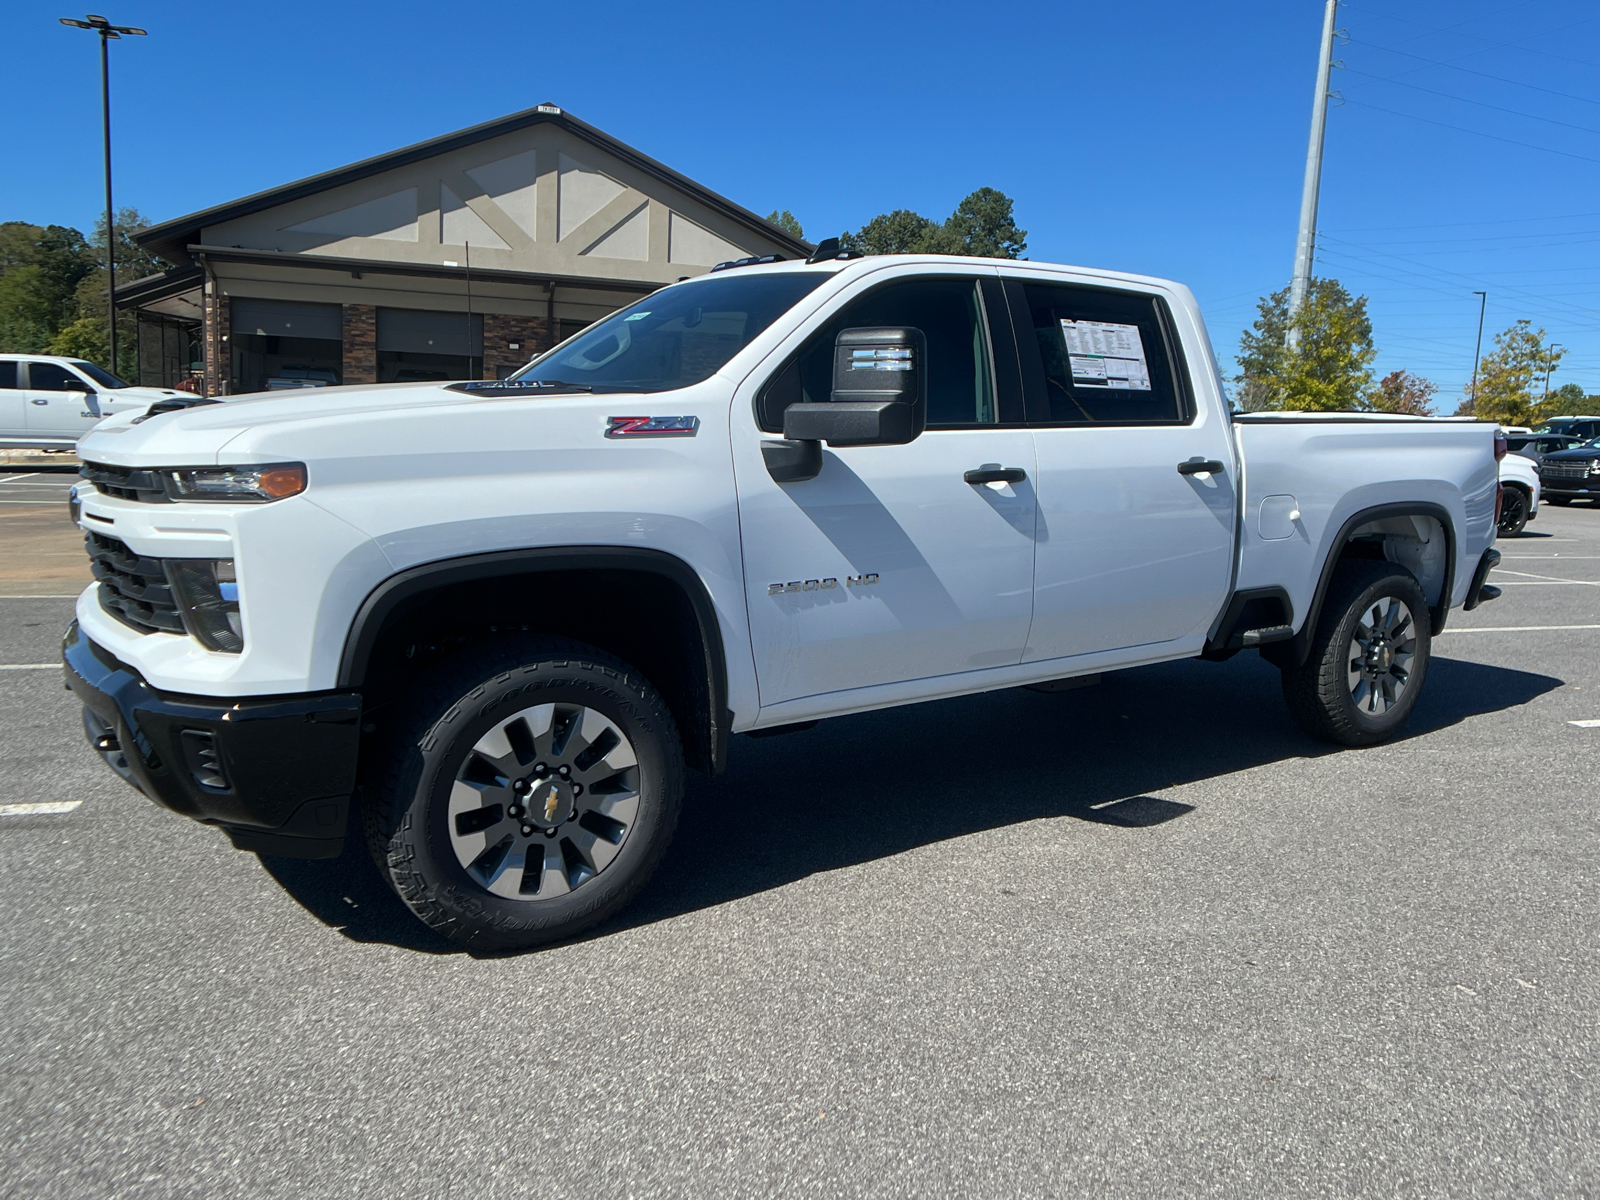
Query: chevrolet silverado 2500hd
490 624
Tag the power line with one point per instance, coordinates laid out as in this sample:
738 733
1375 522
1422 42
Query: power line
1463 224
1477 132
1465 100
1481 74
1490 41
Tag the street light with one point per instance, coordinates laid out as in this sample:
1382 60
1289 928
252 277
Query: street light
1550 365
107 32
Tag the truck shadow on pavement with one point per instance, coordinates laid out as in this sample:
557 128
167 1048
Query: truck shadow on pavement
856 789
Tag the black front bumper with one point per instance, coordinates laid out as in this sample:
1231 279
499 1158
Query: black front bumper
277 773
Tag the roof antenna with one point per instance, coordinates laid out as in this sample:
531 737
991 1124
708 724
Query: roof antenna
827 248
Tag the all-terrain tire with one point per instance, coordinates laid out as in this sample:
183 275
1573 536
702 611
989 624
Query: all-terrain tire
1324 694
414 836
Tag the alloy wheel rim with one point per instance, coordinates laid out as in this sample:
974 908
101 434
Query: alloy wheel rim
543 802
1383 650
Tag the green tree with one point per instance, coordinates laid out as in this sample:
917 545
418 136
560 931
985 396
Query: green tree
1569 400
1403 392
899 232
982 225
1329 370
86 336
1511 376
40 270
787 222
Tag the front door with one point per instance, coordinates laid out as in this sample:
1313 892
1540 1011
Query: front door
13 403
889 566
1132 553
57 403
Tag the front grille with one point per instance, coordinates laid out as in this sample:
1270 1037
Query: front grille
125 483
133 589
1564 470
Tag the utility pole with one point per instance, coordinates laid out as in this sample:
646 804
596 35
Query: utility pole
107 32
1477 353
1550 365
1305 250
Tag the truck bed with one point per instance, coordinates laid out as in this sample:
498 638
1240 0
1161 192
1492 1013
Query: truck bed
1330 468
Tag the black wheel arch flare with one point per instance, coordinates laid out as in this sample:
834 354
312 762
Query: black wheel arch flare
383 601
1299 648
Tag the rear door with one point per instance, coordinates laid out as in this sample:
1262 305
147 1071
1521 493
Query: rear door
57 402
1132 550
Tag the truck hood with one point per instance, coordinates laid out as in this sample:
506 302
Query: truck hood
198 434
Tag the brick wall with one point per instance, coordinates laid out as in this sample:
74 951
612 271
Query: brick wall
531 334
218 355
360 327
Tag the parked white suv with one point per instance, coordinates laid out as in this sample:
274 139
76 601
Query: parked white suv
498 619
48 402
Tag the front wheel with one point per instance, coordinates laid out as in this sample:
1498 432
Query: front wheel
1513 511
530 796
1368 657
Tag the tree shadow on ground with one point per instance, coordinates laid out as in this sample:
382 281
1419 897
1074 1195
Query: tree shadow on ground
856 789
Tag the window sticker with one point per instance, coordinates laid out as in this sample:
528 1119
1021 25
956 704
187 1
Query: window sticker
1106 355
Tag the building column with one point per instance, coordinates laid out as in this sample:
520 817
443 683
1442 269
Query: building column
218 354
360 344
510 341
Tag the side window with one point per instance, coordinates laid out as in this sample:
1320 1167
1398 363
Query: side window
52 377
960 371
8 376
1103 356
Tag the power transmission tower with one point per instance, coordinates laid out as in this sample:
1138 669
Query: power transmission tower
1306 244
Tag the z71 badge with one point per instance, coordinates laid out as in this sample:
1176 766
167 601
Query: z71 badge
631 427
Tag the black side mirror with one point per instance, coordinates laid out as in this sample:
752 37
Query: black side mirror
880 392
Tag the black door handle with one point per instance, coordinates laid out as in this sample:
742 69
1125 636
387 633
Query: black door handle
1199 466
988 474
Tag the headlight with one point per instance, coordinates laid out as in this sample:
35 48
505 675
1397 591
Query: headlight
251 485
207 592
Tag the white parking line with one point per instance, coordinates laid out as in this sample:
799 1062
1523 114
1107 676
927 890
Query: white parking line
28 666
1585 724
29 810
1513 628
20 478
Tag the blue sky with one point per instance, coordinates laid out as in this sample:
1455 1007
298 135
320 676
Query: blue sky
1157 137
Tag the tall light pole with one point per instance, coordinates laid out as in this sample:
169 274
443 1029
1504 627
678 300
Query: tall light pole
1305 249
1550 365
107 32
1483 303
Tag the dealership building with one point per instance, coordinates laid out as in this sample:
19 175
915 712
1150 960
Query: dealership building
460 257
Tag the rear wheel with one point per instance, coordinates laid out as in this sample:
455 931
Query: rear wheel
1513 511
530 796
1368 658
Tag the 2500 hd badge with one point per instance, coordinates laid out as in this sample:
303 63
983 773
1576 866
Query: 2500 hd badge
819 585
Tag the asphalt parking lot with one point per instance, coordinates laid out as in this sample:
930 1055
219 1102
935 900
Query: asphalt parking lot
1144 939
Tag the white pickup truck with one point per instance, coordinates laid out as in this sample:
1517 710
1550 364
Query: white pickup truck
495 621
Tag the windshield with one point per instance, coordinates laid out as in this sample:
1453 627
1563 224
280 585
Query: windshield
104 378
676 337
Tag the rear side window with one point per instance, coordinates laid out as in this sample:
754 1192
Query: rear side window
8 376
1104 357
